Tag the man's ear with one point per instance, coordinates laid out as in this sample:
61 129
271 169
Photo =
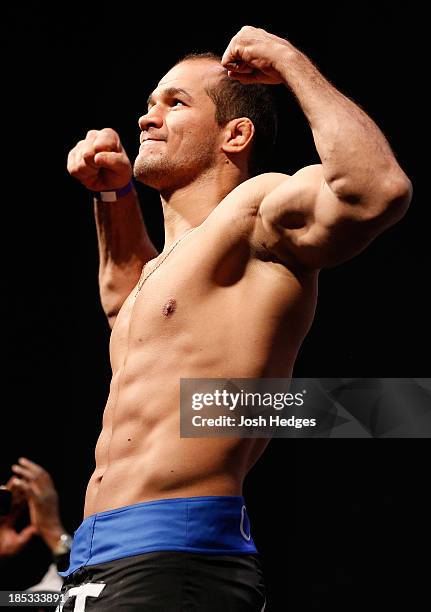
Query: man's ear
237 135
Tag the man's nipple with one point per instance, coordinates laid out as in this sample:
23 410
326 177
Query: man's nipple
169 307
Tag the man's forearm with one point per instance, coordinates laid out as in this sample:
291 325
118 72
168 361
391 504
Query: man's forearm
124 247
357 160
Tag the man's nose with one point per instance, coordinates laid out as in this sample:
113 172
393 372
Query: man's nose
152 118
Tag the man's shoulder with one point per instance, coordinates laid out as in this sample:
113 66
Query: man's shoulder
257 187
266 180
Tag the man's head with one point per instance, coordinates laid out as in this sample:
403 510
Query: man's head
233 99
199 119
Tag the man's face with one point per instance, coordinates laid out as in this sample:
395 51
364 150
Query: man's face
180 136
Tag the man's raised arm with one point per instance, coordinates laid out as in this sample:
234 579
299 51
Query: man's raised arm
328 212
100 163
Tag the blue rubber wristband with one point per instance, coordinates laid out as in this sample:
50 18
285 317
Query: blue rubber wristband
112 195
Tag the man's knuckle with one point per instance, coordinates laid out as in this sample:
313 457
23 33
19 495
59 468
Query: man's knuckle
108 133
78 169
87 154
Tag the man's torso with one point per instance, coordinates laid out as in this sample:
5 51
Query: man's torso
220 305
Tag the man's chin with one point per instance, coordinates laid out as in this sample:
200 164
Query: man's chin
149 175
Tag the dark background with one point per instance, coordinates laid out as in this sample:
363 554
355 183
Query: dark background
338 523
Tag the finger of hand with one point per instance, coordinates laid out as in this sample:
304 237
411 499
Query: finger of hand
229 55
87 156
79 169
241 67
81 157
29 464
21 485
34 468
28 476
107 140
22 471
235 48
14 483
71 160
110 160
83 171
91 135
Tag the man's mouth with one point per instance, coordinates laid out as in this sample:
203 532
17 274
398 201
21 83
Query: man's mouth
149 140
142 140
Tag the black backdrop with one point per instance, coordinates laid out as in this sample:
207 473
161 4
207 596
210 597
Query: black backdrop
334 520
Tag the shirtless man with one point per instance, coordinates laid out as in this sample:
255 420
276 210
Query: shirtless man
231 295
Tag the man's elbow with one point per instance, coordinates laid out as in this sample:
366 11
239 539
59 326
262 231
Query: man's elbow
387 205
397 197
388 192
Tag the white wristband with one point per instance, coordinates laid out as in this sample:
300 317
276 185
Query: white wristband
113 194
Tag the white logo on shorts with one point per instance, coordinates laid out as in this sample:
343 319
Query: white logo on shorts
241 525
81 593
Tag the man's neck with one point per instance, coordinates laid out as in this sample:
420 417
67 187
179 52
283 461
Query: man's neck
189 206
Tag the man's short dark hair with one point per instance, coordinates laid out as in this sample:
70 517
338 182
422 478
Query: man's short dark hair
234 99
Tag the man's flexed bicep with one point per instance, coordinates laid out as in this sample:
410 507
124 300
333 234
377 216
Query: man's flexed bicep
304 219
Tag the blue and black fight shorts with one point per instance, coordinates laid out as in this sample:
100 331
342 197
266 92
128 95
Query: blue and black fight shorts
192 554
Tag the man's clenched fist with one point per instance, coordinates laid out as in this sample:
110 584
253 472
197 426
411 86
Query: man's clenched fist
99 162
255 56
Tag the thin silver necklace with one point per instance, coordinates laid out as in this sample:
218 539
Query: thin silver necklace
177 241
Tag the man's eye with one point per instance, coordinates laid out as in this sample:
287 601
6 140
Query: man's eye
178 102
